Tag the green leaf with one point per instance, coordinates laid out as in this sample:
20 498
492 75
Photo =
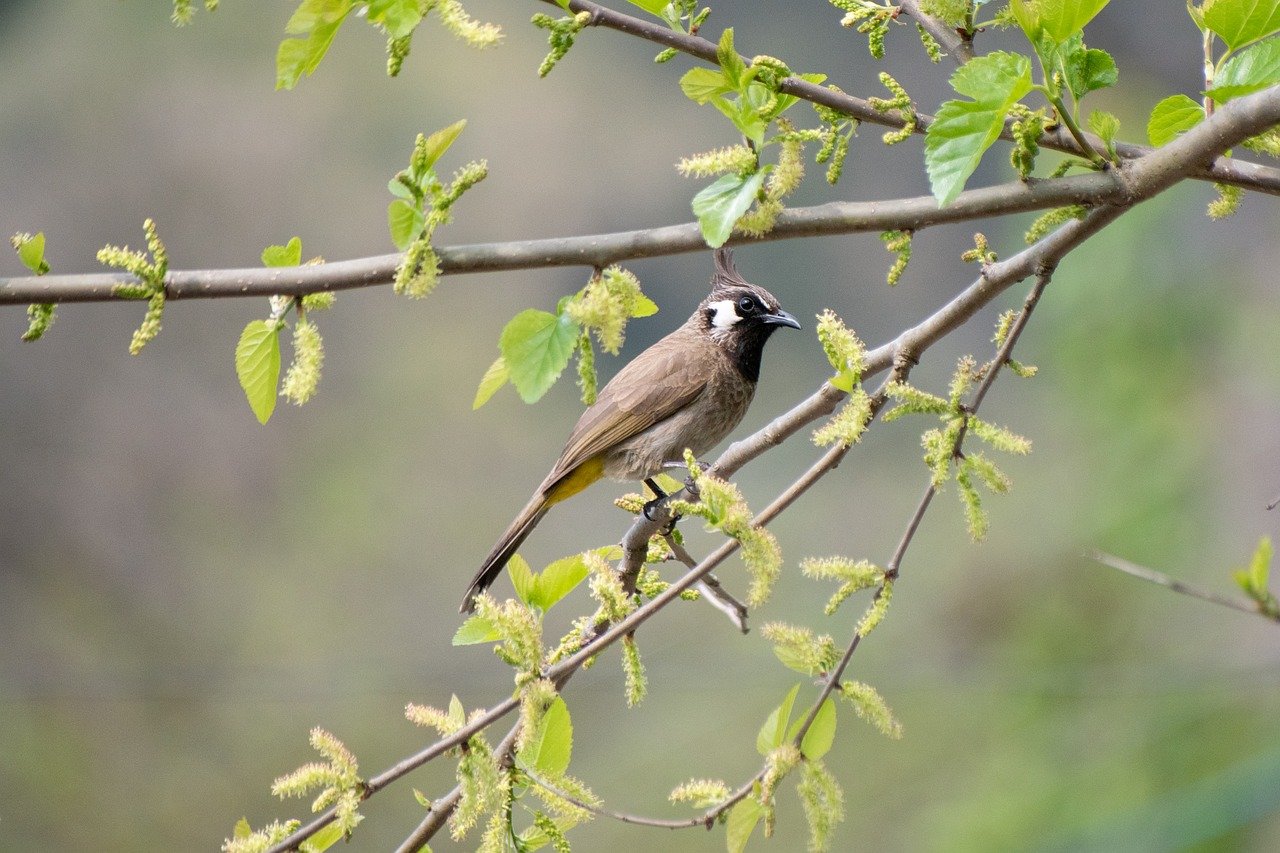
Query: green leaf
1260 565
494 378
963 130
399 190
785 102
398 17
299 56
735 70
439 142
324 839
31 253
1242 22
457 713
405 222
774 730
1174 115
720 205
559 579
288 255
741 822
536 346
522 578
993 78
1248 72
1056 20
314 13
822 733
1089 70
744 117
550 747
1106 126
702 84
423 799
476 630
653 7
258 365
643 306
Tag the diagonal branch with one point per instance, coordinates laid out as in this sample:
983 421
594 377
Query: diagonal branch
959 47
1143 178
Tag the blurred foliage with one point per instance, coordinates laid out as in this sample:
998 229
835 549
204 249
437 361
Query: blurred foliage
183 593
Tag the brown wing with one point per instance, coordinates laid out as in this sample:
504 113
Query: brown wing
655 385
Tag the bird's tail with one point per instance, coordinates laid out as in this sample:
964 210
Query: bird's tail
507 545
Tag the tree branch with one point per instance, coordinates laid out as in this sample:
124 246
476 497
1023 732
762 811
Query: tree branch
957 46
1161 579
595 250
1220 170
1143 178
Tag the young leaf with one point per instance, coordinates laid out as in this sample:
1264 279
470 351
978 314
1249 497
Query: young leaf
288 255
1260 565
963 130
31 253
1089 70
720 205
522 578
735 70
702 84
558 580
298 56
494 378
653 7
439 142
1056 20
818 739
774 730
1106 126
536 346
476 630
258 366
742 821
405 222
398 17
1248 72
550 747
1242 22
1174 115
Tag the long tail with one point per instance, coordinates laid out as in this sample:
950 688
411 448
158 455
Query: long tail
507 545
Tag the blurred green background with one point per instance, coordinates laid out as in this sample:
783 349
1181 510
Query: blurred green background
184 593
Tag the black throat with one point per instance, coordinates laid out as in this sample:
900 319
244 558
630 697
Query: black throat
746 346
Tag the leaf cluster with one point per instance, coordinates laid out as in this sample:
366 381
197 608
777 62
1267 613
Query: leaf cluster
536 345
315 23
423 203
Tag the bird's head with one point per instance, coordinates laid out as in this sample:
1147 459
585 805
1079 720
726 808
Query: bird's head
740 316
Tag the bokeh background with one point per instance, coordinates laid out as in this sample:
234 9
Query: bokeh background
184 593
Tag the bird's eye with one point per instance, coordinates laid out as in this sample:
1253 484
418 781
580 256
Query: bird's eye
747 305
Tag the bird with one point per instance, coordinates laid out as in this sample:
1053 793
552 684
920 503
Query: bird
687 391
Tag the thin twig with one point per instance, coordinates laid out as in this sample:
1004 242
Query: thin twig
639 820
715 594
1161 579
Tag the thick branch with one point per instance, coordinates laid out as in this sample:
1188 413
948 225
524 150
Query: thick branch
595 250
953 43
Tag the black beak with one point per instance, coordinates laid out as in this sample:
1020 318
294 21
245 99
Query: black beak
782 318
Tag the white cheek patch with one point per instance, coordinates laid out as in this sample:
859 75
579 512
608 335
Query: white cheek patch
723 314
